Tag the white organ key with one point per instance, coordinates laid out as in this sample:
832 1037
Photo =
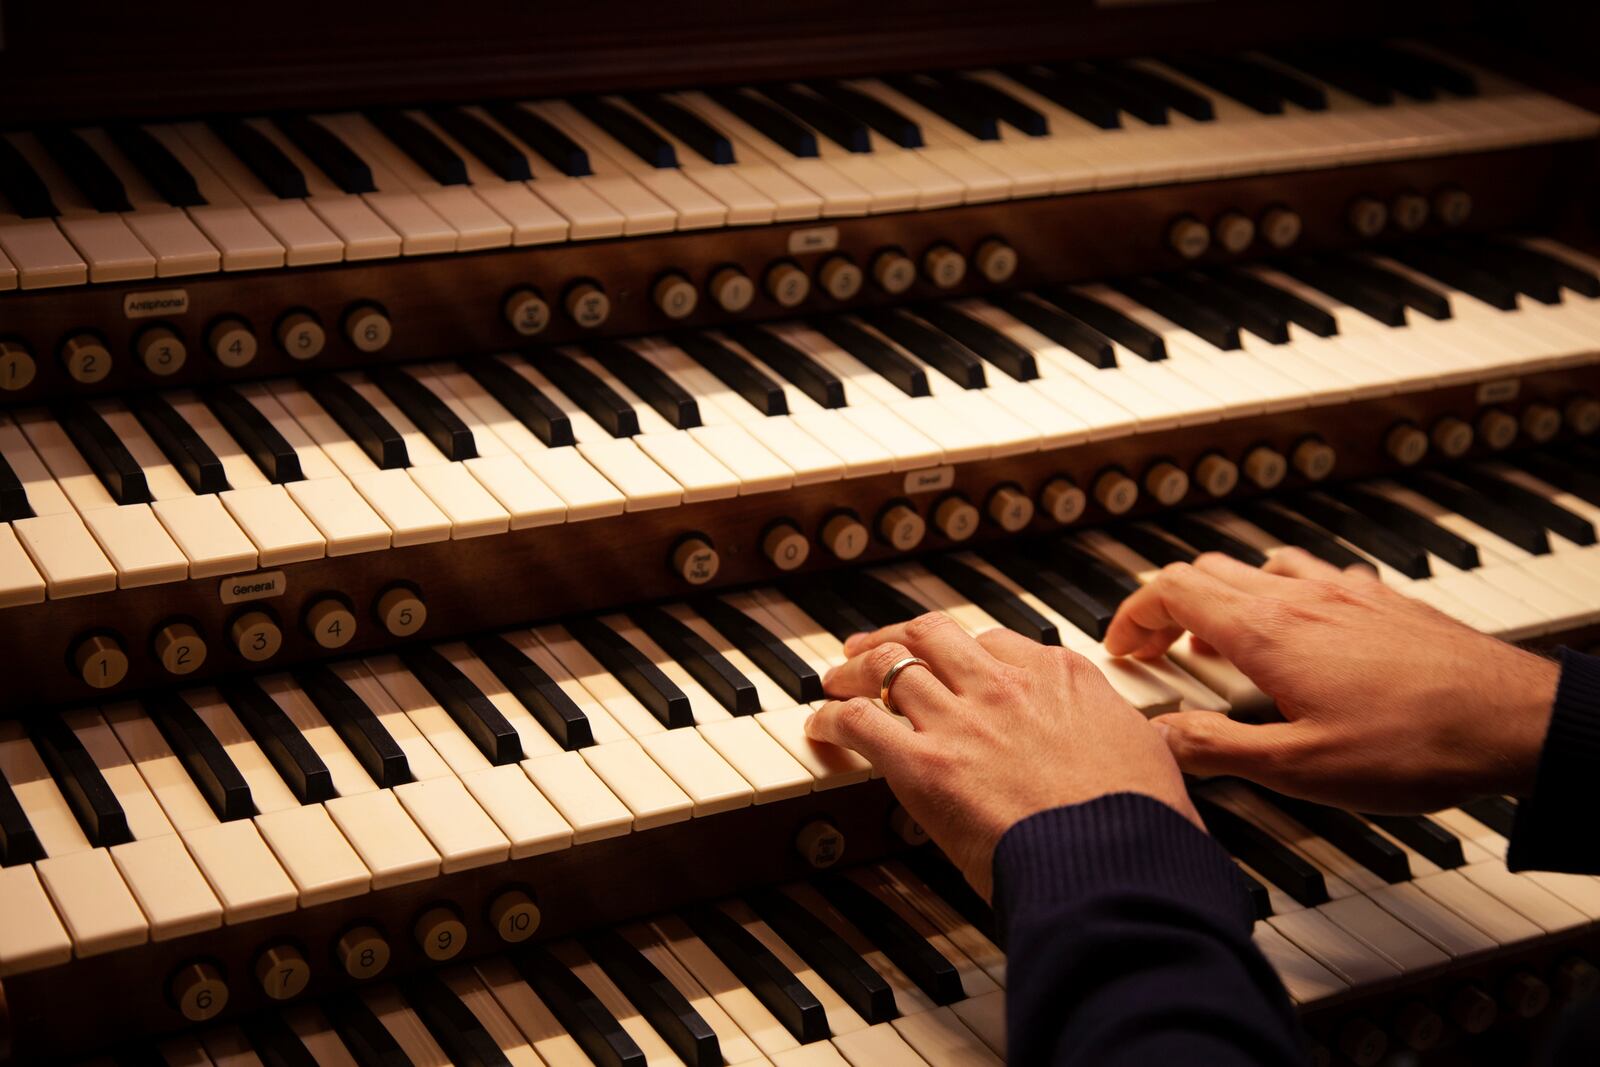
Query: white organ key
1304 978
239 234
572 787
642 210
1463 896
759 759
829 765
842 1019
422 758
971 941
178 245
480 1001
576 959
940 1037
587 212
323 864
522 1006
31 937
39 253
729 184
110 249
416 1042
619 704
20 581
735 1046
8 273
881 1043
95 904
602 725
532 220
1536 903
711 783
389 843
459 829
318 1036
653 797
730 994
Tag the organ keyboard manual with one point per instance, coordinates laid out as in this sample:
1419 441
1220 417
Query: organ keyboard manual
442 448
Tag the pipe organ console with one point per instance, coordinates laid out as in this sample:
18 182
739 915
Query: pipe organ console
431 493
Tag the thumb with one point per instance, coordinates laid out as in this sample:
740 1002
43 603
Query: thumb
861 725
1207 744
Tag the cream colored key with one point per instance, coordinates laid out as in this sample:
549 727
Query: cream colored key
137 545
277 527
1306 980
528 819
386 838
168 886
842 1019
730 994
481 1002
1486 911
817 1054
31 934
985 1016
1451 933
583 799
37 793
1380 932
20 581
67 555
574 958
829 765
227 1046
422 758
962 934
1332 947
318 1036
267 789
523 1007
1581 891
638 782
878 1044
206 533
1537 904
342 514
409 1031
735 1046
459 829
942 1040
627 467
710 782
975 980
909 997
94 903
759 759
317 856
602 686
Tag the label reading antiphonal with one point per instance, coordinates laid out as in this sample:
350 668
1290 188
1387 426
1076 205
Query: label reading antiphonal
149 303
262 585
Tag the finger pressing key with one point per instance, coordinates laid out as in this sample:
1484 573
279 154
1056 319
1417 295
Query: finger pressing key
914 690
953 654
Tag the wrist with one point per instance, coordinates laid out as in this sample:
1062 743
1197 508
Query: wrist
1529 699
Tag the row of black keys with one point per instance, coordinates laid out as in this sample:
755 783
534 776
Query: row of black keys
791 115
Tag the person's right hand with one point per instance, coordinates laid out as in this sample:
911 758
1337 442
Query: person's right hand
1388 704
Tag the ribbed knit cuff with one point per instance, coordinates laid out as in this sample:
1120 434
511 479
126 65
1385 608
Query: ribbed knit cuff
1545 834
1121 843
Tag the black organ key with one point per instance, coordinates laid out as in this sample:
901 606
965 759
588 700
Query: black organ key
1302 313
484 141
1430 302
841 966
1423 74
1008 609
885 604
1295 90
1348 834
1232 78
986 99
1075 604
658 693
881 117
837 614
156 163
18 841
784 995
1124 94
1190 314
561 151
1153 545
1291 529
1431 840
1134 336
952 887
1276 862
1208 538
1403 554
1456 274
737 373
763 648
357 417
357 725
437 159
458 1031
202 756
441 425
13 495
708 142
1581 479
1522 500
950 106
1497 813
296 762
1345 287
578 1010
705 664
1076 336
1466 501
1530 279
899 940
1338 70
83 165
877 356
522 398
601 402
634 135
275 1042
535 690
178 441
1444 543
24 190
994 346
141 1056
1563 272
1245 314
804 373
826 118
255 433
369 1042
649 382
332 156
1260 899
1179 98
262 157
1100 579
89 796
772 123
668 1012
952 359
104 452
1065 87
478 718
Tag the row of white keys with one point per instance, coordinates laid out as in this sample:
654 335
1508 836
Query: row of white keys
179 247
581 201
242 237
37 255
112 251
643 211
62 555
1555 901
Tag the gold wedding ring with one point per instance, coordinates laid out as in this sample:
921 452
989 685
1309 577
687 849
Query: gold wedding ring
892 674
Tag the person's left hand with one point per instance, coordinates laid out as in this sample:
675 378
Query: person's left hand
1003 728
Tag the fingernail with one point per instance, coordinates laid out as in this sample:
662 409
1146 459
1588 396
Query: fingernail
853 642
809 720
1161 728
828 676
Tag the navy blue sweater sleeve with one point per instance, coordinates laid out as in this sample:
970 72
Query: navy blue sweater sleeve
1549 834
1127 934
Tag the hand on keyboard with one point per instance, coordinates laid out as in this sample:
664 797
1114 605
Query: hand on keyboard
995 729
1388 705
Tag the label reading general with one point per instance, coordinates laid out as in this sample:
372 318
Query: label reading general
152 302
930 479
814 239
263 585
1499 392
